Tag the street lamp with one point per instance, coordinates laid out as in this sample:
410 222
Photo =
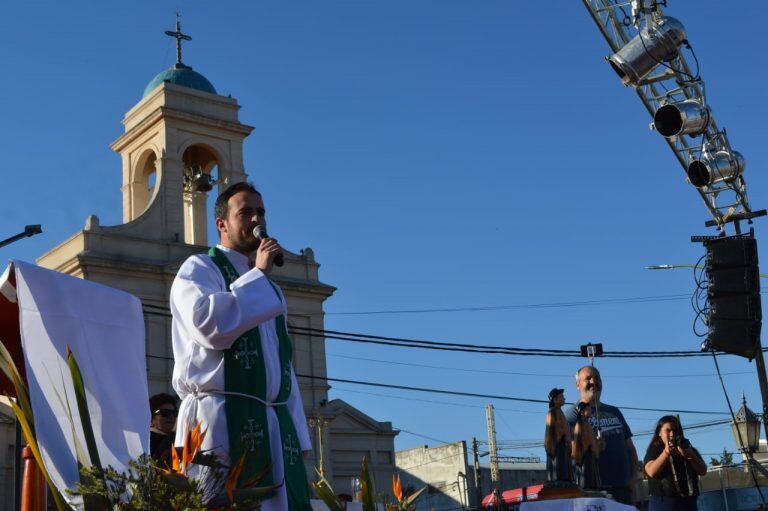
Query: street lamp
746 429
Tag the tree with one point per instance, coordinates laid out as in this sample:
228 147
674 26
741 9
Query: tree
725 459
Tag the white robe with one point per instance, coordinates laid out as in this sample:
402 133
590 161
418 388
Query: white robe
208 319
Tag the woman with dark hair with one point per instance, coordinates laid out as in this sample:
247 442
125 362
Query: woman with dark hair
673 467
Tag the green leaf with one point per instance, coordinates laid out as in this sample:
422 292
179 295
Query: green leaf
22 408
177 480
207 459
80 456
11 371
368 488
26 428
325 493
82 406
413 496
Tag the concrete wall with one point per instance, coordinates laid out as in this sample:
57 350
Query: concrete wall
442 469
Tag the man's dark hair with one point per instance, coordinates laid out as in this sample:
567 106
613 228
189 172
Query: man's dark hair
158 400
221 208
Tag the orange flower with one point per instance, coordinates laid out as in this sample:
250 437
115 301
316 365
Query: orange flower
397 487
175 459
234 475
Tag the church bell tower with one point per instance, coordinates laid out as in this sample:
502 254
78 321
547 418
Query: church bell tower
180 141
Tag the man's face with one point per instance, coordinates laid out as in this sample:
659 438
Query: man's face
164 418
559 399
245 211
589 384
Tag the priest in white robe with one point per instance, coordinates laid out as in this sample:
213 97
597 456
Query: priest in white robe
232 354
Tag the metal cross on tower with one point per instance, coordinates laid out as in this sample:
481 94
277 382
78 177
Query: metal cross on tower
179 37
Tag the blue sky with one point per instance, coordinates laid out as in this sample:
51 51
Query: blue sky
433 154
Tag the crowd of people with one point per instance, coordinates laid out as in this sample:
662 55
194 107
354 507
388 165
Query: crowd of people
590 445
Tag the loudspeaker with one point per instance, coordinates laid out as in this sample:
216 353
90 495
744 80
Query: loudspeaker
733 291
733 336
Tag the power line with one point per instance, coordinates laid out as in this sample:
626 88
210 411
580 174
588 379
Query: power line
487 396
516 373
545 305
469 394
469 348
476 348
422 436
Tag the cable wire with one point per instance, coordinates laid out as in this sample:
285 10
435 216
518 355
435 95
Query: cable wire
738 431
487 396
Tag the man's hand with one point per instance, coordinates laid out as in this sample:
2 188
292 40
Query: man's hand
265 254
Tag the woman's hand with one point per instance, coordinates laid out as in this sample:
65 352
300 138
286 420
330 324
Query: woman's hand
653 467
695 461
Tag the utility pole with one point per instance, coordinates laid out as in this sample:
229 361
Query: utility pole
478 487
493 452
763 381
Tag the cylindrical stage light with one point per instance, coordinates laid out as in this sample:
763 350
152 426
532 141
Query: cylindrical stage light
647 49
688 117
722 166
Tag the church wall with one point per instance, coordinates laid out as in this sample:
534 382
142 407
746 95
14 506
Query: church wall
353 435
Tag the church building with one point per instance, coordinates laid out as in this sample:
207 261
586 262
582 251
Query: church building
182 145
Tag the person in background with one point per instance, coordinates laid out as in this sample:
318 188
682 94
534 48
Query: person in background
585 450
673 467
162 427
557 440
618 460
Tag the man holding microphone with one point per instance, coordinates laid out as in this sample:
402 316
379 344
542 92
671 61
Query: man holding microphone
232 353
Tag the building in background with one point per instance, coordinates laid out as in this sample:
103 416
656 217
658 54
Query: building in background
449 476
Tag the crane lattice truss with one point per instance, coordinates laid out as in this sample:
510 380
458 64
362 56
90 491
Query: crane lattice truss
706 155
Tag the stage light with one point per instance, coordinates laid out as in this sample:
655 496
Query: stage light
722 166
688 117
654 44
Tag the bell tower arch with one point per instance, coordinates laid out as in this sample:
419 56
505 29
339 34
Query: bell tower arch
182 141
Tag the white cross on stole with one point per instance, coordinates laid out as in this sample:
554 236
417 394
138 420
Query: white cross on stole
244 354
290 449
250 433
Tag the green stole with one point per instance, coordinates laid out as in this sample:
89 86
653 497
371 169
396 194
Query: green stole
247 425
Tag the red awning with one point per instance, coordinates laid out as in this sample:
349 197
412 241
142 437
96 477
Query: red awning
514 496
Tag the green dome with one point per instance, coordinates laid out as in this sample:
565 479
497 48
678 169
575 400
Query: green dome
182 75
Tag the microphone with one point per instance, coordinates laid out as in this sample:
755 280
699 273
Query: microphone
261 234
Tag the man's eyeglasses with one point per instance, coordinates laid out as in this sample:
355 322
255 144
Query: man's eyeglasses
166 412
